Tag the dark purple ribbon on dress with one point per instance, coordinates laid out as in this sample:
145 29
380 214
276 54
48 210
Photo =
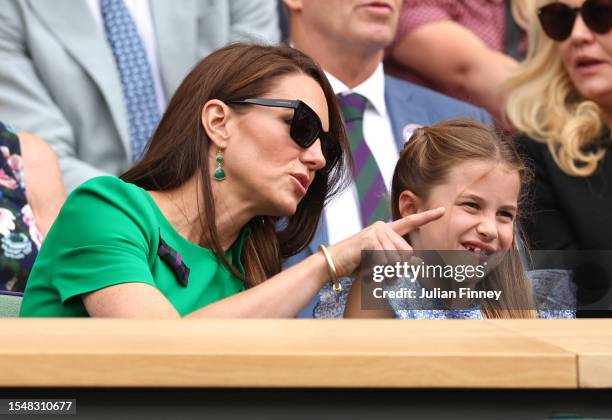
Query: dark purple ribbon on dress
174 261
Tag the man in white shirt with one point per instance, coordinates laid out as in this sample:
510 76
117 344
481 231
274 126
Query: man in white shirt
348 38
63 75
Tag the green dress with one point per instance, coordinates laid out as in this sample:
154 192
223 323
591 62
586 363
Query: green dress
111 232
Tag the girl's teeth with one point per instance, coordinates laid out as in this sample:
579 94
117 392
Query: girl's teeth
479 251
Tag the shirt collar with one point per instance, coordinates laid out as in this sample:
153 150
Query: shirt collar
373 89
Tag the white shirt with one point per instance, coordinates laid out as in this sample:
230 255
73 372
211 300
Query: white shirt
342 214
141 14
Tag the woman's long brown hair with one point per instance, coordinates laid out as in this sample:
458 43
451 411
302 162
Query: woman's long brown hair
180 146
426 162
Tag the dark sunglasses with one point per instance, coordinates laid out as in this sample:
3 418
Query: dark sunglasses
557 19
305 127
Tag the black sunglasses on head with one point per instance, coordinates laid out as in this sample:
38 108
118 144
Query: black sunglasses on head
557 19
305 127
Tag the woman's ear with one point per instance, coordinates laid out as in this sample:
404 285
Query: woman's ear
215 116
409 203
293 5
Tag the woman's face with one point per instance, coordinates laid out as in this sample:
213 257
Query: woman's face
481 203
264 165
587 57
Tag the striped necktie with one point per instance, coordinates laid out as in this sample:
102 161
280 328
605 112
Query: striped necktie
134 71
371 190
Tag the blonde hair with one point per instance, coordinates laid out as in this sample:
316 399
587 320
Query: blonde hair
542 102
426 162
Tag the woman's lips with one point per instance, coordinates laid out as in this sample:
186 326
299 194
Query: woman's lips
585 65
378 8
300 183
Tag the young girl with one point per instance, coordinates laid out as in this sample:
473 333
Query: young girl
464 167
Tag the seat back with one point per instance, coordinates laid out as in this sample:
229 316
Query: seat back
10 303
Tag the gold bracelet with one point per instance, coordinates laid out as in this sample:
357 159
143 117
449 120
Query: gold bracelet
331 268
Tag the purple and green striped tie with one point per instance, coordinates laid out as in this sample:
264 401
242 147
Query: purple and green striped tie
373 196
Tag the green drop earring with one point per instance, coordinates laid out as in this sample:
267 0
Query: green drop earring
219 173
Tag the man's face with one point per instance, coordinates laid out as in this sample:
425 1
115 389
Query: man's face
353 22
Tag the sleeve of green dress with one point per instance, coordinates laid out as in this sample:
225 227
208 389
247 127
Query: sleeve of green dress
101 238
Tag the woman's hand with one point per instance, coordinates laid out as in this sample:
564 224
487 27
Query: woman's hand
379 236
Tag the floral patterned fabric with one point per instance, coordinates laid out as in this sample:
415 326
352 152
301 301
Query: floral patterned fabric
19 237
553 290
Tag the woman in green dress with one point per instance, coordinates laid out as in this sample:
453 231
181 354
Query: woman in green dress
233 181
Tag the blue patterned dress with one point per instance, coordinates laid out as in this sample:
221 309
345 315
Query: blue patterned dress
553 290
19 237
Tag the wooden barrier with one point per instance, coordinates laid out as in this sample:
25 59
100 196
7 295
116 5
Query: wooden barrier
538 354
590 340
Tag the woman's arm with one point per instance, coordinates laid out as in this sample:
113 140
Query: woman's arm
283 295
458 61
43 180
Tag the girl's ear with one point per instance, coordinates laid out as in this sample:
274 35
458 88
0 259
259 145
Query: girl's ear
215 116
409 203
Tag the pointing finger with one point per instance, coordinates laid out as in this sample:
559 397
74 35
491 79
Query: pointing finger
406 224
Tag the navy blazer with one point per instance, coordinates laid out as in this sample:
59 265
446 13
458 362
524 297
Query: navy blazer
407 104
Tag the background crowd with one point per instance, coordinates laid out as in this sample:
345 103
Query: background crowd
163 95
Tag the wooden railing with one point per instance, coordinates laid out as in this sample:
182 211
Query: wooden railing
544 354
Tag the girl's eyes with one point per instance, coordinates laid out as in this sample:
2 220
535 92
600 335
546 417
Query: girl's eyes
472 206
506 215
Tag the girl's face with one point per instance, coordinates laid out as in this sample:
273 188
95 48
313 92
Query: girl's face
480 198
